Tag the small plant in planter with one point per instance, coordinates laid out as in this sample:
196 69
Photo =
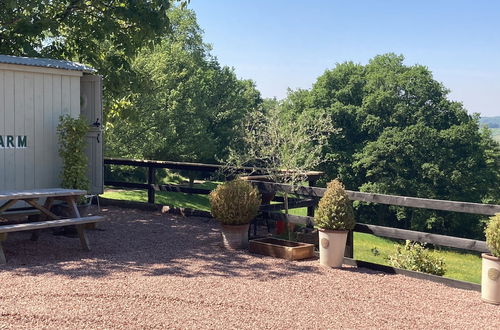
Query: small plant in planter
71 136
235 203
334 217
490 278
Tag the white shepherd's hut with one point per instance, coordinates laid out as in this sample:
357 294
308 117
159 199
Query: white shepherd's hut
34 93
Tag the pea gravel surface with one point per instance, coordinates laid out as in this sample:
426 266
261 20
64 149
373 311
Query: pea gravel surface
153 270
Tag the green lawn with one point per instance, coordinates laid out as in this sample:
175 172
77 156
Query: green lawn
460 266
199 202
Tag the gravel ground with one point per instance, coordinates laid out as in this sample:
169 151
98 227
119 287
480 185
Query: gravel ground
151 270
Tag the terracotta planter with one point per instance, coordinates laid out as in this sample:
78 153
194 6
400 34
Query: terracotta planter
490 279
332 247
235 237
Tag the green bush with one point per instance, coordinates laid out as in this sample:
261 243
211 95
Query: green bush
71 135
334 210
235 202
414 256
493 235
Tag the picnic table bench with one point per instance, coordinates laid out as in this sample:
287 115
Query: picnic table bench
47 218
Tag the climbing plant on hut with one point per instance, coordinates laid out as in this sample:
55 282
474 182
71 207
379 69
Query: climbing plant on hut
71 135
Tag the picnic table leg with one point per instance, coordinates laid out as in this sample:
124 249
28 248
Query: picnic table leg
48 206
84 240
3 236
72 206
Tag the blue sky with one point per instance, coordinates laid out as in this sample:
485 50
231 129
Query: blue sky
284 44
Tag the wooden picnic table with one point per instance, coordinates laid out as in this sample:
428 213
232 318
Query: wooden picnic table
47 218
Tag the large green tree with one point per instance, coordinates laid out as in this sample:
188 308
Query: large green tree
105 34
400 134
183 106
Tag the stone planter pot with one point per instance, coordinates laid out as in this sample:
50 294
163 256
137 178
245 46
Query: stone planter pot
490 279
235 237
332 247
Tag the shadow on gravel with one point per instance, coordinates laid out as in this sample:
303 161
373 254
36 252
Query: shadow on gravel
150 243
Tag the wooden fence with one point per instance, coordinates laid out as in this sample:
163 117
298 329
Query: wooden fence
309 196
152 165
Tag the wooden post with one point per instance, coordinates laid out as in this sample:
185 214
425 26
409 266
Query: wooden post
349 246
151 181
3 237
310 209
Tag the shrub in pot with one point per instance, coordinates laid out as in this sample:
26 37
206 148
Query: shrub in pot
334 217
235 203
490 277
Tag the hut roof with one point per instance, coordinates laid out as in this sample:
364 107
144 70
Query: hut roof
47 63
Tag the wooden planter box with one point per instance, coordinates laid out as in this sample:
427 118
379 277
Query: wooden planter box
280 248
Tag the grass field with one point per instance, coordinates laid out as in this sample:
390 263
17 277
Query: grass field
460 266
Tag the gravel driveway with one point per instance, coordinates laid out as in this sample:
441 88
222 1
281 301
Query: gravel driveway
151 270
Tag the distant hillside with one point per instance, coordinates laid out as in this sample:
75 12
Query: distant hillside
492 122
496 134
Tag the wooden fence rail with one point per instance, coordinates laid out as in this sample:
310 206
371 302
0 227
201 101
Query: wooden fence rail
310 196
425 203
152 165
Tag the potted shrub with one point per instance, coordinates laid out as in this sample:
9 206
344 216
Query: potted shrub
235 203
490 278
334 217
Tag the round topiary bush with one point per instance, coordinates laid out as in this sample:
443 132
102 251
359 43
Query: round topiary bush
493 235
235 202
335 211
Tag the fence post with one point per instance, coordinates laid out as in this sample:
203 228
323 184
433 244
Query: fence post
349 246
151 181
310 209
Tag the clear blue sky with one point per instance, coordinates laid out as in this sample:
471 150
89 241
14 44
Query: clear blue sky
289 43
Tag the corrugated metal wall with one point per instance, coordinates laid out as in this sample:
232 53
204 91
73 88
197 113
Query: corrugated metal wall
31 104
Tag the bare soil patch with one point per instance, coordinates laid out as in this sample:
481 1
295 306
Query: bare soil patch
153 270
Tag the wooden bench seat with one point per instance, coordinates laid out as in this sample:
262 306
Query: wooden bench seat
79 222
19 213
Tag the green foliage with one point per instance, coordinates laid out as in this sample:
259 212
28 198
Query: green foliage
334 210
183 105
235 202
414 256
493 235
71 134
286 146
105 34
400 134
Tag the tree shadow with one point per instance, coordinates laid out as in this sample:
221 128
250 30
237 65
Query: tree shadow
149 243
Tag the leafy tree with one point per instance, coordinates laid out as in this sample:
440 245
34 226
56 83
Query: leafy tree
399 134
277 142
184 105
102 33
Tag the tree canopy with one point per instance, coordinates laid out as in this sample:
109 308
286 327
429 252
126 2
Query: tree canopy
105 34
182 104
400 134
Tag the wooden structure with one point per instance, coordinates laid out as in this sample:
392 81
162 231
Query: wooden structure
34 93
47 218
152 186
281 248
